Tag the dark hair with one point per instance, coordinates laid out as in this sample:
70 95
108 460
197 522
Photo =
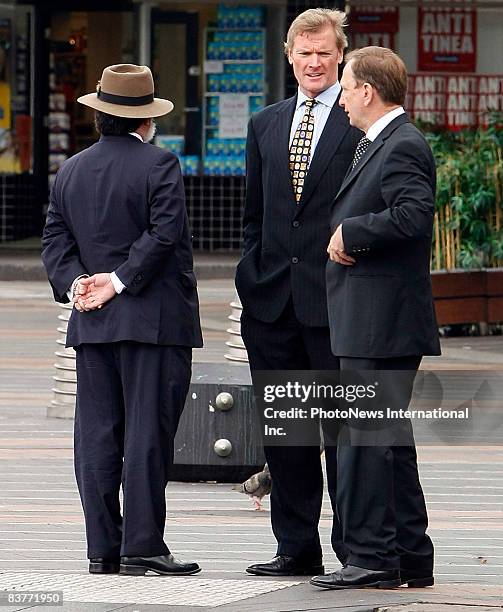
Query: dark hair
381 68
109 125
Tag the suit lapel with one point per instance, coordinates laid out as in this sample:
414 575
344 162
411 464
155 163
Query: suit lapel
371 151
333 134
354 172
280 141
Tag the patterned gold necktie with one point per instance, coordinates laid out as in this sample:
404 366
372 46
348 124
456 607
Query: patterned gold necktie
300 151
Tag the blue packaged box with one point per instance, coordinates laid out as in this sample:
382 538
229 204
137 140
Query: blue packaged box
239 16
190 165
175 144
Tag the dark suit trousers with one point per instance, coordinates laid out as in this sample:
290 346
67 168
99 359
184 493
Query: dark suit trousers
296 472
129 400
379 496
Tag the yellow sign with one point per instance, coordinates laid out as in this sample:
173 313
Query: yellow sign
4 105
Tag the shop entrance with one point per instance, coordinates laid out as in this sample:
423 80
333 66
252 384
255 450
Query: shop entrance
174 64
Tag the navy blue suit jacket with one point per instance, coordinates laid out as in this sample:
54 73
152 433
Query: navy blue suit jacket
382 306
284 249
120 205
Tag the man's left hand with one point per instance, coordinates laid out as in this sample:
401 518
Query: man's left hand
336 251
94 291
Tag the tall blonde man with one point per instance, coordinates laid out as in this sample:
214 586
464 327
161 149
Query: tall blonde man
298 152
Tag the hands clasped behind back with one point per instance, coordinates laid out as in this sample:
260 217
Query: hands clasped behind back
92 292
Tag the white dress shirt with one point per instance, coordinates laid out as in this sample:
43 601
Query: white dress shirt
137 135
321 111
376 128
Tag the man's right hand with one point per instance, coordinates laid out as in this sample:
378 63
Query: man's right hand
91 293
336 250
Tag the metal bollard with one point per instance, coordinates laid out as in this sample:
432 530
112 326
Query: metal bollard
65 380
235 343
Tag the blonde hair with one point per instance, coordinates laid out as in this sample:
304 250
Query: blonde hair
314 20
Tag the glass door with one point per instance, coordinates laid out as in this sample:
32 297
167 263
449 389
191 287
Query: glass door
174 65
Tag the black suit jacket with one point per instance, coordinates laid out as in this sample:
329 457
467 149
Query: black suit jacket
120 205
285 243
382 306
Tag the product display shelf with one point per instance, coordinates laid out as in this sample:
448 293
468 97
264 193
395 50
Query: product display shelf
224 75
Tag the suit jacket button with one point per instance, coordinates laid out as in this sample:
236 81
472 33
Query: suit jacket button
295 260
296 224
138 277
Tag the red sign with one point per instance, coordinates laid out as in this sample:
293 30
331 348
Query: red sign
447 39
374 19
455 101
357 40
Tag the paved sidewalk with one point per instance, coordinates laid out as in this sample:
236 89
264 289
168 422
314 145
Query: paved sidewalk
20 261
42 543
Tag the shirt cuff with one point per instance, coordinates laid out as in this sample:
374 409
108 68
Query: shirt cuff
119 286
70 291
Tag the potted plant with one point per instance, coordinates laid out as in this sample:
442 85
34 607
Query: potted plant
467 253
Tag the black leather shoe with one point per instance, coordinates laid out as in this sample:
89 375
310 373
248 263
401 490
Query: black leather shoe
283 565
417 578
352 577
165 565
99 565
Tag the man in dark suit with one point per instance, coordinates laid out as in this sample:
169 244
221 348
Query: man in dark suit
117 241
298 152
382 317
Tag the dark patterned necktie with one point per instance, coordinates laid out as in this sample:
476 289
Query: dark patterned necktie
361 147
300 151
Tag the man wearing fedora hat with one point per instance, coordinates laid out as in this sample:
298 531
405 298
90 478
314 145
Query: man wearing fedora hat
117 244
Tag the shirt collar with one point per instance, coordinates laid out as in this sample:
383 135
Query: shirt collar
136 135
327 97
376 128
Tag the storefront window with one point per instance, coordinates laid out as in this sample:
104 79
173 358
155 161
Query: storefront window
210 61
15 90
234 86
81 45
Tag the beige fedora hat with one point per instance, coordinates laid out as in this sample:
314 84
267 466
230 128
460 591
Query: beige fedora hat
127 90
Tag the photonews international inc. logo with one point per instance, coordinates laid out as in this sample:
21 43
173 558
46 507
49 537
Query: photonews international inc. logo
380 407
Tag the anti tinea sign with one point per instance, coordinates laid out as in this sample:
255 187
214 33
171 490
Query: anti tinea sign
447 39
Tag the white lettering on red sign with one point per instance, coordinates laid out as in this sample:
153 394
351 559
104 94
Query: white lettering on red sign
447 44
429 84
490 103
490 85
460 84
368 39
447 23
